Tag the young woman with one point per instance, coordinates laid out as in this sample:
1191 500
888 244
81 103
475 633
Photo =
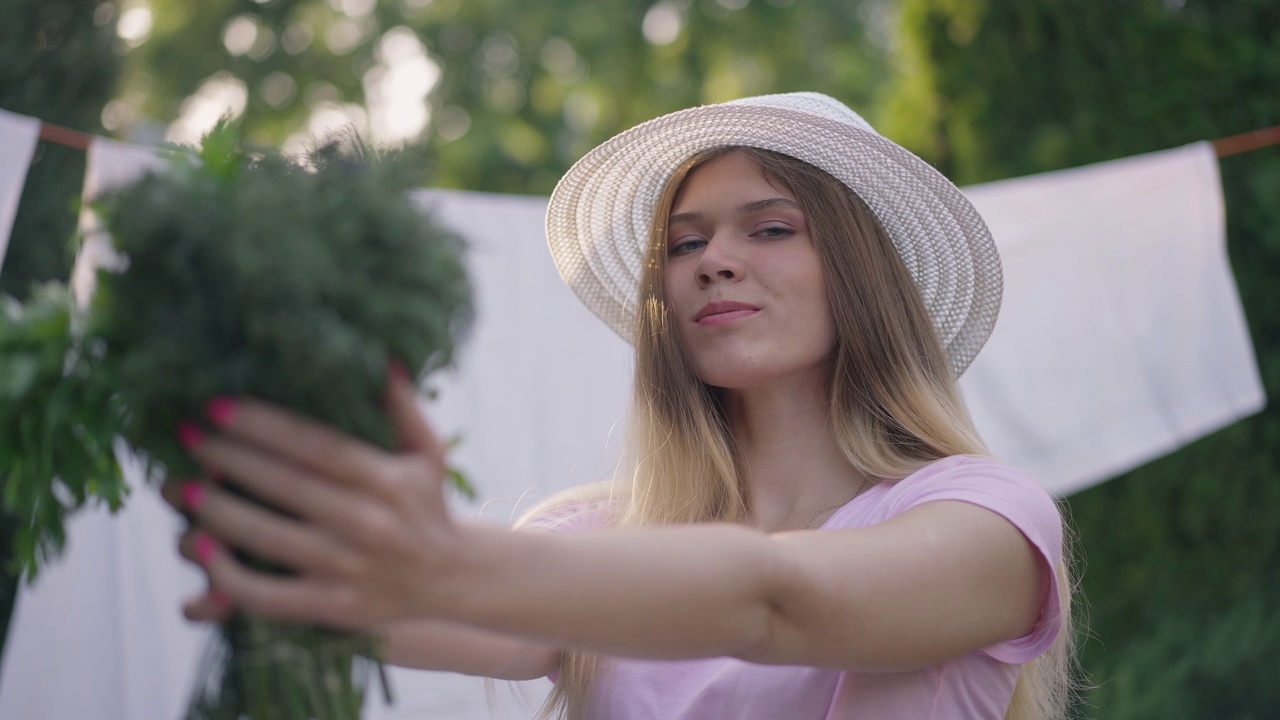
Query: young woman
809 527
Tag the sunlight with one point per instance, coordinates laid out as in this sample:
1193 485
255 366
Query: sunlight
398 85
221 94
134 26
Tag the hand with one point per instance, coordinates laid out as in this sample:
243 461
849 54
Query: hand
369 532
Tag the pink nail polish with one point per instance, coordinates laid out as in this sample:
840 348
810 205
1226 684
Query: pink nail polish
192 495
221 411
206 548
190 435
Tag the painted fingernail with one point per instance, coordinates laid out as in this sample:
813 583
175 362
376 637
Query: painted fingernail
220 598
221 411
190 435
206 549
192 495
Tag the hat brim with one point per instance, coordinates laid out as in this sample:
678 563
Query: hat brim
600 214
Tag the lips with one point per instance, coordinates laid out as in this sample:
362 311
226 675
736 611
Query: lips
724 310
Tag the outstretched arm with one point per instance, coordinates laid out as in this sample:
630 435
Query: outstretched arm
438 644
933 583
375 544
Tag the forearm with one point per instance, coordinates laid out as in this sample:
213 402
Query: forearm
692 591
436 644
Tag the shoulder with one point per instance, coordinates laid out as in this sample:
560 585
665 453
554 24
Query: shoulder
588 507
1021 501
977 480
989 484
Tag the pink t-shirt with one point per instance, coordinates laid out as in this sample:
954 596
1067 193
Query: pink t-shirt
974 686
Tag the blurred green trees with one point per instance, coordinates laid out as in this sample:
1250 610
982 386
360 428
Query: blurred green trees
1183 554
57 63
1183 557
519 90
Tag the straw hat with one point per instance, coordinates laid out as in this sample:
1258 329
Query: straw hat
598 221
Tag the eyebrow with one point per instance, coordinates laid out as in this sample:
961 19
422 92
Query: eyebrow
744 208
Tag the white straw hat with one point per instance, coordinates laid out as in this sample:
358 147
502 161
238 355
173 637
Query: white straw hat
600 214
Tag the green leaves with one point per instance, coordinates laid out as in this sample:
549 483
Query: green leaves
57 421
220 152
291 281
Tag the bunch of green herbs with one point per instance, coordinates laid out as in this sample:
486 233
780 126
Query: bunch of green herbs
297 282
294 280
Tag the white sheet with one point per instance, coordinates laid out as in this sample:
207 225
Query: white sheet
1121 336
18 137
109 164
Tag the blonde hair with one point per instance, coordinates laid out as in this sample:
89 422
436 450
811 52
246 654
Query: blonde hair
894 403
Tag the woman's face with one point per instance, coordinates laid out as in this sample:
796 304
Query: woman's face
743 278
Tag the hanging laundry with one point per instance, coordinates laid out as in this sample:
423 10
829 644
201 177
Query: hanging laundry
109 164
1121 337
18 136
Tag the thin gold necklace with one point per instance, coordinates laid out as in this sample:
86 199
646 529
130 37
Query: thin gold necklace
838 505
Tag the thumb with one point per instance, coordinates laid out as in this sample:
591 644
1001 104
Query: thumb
413 430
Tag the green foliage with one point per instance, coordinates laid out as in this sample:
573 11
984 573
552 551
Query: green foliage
1183 554
525 88
57 421
259 276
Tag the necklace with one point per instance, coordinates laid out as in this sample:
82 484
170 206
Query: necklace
833 507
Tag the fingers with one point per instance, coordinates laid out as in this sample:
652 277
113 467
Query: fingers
276 482
317 450
233 586
303 442
351 513
264 534
303 599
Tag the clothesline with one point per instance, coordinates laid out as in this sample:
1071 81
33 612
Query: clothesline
1224 147
64 136
1245 142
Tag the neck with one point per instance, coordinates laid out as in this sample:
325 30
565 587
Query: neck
793 467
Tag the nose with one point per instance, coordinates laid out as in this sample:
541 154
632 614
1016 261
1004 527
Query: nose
719 261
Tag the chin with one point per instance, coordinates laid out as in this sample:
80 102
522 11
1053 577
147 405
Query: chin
747 369
740 374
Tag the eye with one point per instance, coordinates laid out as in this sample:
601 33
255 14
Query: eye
686 245
775 231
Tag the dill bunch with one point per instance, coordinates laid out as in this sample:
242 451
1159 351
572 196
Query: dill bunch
294 280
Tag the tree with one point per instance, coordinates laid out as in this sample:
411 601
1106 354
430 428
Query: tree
1183 554
518 90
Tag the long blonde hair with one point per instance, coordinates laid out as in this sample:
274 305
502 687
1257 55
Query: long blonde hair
894 403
